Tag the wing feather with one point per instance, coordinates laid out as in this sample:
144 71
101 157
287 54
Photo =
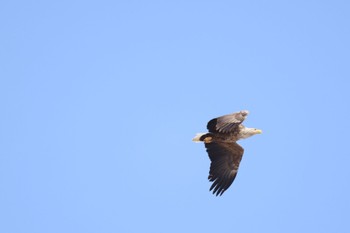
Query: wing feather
225 159
227 123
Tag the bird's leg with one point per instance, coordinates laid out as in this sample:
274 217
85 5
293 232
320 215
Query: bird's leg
207 139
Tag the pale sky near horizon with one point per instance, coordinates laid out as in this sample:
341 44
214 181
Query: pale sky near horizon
100 100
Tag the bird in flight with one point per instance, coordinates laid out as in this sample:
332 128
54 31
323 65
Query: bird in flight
224 152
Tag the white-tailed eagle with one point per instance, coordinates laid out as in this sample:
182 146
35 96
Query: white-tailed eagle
224 152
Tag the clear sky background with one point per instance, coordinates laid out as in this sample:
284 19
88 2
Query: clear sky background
100 100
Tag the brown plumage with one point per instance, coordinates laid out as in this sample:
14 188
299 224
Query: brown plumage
224 152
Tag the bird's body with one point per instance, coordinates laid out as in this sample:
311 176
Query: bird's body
224 152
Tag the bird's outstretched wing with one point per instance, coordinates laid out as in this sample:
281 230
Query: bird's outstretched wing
225 159
227 123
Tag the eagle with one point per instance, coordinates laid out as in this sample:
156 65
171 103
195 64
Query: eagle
224 152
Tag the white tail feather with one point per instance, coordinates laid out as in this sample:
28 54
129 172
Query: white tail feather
197 137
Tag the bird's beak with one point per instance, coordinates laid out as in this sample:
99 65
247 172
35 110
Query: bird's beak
259 131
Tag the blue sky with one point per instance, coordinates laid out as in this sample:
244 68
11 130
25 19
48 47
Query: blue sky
100 100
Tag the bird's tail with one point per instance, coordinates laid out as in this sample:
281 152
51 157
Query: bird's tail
198 136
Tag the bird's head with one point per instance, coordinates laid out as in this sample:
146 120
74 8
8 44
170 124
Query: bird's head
257 131
248 132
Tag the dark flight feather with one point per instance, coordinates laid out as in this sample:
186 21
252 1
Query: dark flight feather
225 159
